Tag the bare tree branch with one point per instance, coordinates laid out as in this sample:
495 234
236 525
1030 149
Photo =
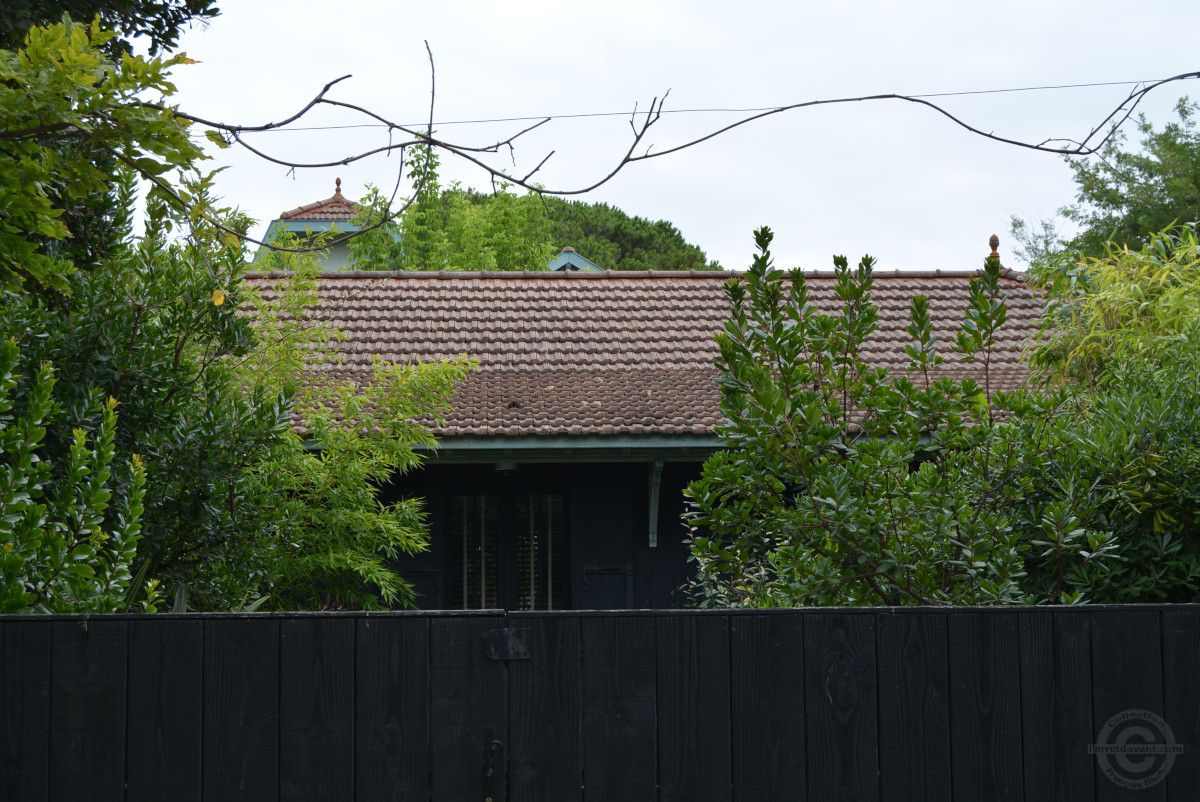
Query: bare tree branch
474 155
316 101
1058 146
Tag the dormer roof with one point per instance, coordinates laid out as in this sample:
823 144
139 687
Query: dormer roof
570 259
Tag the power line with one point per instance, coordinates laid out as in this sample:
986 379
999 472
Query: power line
1039 88
702 111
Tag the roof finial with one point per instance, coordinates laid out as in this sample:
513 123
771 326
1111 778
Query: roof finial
994 241
337 188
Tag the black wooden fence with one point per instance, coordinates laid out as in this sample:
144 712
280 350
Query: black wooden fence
965 704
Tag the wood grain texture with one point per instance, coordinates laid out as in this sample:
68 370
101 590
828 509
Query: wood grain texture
840 705
544 705
1056 706
1181 697
914 707
766 655
316 709
241 709
468 710
620 718
24 710
1126 676
392 710
693 708
985 706
166 709
87 710
632 705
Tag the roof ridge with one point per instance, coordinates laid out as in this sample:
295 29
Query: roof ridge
336 200
590 275
593 275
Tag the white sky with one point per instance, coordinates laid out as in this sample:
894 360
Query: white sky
887 178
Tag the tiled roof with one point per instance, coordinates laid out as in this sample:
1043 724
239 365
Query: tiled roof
336 208
605 353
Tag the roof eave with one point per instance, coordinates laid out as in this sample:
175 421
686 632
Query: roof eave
574 448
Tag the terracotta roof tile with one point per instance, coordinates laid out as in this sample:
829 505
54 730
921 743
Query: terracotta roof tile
335 208
606 353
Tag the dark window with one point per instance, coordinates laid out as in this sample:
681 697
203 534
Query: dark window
474 534
507 551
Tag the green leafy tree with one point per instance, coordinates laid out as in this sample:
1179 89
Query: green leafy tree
604 234
508 232
843 484
239 505
1125 196
83 93
159 21
340 543
455 228
452 228
1127 304
376 246
424 241
236 506
615 241
69 115
64 547
155 327
1122 335
1132 469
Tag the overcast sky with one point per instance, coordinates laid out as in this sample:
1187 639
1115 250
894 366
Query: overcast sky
887 178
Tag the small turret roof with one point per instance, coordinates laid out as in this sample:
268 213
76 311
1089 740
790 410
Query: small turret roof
336 208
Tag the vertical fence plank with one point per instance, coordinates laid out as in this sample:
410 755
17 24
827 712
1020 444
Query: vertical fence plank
1181 695
544 708
766 653
840 702
468 710
1056 705
693 707
166 710
1038 700
87 710
661 706
1127 678
316 709
985 706
24 709
241 709
914 706
392 710
620 746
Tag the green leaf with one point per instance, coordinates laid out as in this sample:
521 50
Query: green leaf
217 138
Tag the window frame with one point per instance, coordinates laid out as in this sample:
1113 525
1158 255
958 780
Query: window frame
508 593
